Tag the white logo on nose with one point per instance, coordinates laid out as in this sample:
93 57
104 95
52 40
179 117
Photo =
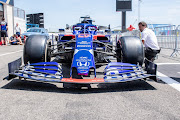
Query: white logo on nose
83 64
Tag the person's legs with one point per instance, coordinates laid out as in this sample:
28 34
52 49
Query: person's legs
10 41
18 34
2 37
150 54
2 40
14 43
7 40
19 40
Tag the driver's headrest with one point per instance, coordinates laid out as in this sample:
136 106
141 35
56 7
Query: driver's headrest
84 21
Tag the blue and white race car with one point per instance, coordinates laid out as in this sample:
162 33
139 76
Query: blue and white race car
84 50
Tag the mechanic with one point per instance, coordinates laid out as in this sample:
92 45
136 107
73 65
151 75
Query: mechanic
17 30
4 29
15 40
150 42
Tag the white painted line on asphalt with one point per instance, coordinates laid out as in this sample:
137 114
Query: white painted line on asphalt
10 53
178 72
169 81
168 63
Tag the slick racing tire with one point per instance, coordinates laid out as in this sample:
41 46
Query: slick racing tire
36 49
130 50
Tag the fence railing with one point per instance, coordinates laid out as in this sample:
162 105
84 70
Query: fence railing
178 37
168 38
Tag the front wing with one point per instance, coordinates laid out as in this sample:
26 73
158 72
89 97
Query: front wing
52 72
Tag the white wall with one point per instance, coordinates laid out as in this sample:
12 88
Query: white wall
8 13
21 22
11 20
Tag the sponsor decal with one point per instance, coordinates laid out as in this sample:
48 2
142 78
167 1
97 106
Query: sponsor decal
83 45
83 35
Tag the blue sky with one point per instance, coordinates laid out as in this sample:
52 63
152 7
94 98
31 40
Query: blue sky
58 13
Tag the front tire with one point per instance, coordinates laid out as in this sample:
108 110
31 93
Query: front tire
36 49
131 50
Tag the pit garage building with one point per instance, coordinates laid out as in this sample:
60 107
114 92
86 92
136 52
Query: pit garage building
12 15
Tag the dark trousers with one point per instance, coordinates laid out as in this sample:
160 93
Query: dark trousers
150 54
4 33
150 67
18 34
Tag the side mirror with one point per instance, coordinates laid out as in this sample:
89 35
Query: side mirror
109 26
67 27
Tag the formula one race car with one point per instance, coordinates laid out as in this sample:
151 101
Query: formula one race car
85 50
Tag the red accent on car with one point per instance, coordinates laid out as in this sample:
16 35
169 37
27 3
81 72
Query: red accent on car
73 36
96 36
71 80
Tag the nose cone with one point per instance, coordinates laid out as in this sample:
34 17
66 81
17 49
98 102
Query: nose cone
83 59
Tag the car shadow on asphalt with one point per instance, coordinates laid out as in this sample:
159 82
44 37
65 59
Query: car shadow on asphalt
24 85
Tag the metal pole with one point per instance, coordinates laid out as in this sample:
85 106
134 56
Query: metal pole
53 40
123 21
176 39
176 44
139 1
